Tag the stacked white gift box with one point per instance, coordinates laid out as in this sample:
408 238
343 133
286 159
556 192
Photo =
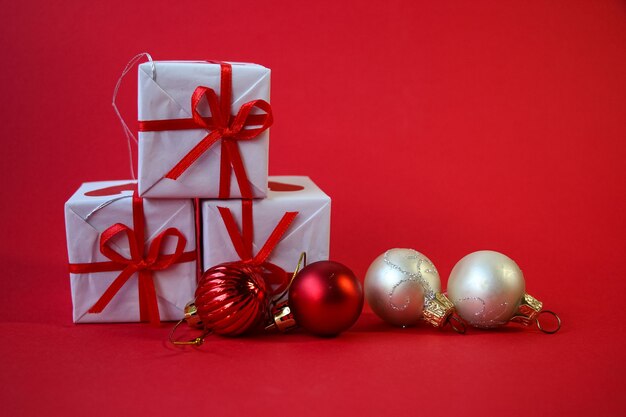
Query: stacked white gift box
203 138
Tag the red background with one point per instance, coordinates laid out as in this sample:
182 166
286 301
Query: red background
444 126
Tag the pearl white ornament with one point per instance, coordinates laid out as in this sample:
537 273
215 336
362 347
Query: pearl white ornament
486 288
399 283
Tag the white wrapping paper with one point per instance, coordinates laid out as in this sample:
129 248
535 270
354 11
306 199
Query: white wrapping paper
168 96
175 286
309 232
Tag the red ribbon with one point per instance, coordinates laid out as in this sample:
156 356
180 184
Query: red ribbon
138 262
221 125
242 241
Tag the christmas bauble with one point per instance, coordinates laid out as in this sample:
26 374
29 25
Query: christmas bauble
232 298
486 288
399 283
326 298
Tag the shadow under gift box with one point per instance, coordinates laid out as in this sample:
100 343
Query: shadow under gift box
93 209
309 232
166 94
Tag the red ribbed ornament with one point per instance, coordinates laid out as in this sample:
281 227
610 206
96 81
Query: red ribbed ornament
232 298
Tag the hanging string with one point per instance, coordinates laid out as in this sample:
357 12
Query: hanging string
130 137
103 205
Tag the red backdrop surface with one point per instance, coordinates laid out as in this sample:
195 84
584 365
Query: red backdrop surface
448 127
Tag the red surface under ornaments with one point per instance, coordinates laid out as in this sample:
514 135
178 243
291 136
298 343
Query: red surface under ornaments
448 127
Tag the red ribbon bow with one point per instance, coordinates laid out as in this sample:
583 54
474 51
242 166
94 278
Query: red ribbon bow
242 242
221 125
138 262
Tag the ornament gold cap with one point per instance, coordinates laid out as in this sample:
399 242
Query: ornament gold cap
283 319
193 320
528 310
191 316
439 311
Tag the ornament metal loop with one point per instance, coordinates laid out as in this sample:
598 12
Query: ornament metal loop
195 342
282 316
558 322
301 264
455 321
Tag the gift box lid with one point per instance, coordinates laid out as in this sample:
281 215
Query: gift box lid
92 199
309 231
294 187
101 192
172 82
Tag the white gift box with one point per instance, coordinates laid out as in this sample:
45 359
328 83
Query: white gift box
165 92
309 232
93 209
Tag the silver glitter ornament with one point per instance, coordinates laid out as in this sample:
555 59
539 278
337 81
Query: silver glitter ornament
399 284
488 290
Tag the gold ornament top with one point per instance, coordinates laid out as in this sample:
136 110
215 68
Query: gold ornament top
283 319
528 310
438 310
191 316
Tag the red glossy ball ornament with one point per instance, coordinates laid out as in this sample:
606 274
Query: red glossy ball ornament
232 299
326 298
